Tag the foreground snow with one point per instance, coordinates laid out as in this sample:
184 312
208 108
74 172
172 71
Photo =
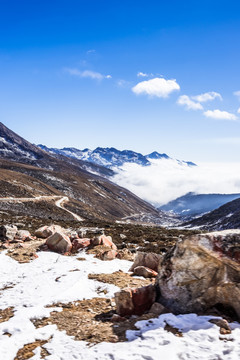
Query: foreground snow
49 279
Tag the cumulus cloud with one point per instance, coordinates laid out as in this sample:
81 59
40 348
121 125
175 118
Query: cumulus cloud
208 96
238 111
165 180
87 74
158 87
220 115
185 100
237 93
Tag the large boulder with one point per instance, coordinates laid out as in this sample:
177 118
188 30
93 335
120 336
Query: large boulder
8 232
202 272
135 301
46 231
149 260
59 242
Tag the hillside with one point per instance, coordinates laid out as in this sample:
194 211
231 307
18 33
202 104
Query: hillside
193 204
225 217
27 171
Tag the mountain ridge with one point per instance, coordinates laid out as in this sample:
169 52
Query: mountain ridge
110 157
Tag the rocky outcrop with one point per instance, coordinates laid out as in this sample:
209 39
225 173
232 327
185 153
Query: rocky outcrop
59 242
135 301
202 272
149 260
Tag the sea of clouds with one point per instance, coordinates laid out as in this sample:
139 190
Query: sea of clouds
165 180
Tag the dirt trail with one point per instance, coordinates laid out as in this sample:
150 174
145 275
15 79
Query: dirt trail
59 201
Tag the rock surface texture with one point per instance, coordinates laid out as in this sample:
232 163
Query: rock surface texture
202 272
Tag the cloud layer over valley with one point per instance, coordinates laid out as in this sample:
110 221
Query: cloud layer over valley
165 180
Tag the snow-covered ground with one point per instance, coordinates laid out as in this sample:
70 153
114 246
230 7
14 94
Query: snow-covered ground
34 286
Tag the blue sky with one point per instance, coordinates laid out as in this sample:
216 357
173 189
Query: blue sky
126 74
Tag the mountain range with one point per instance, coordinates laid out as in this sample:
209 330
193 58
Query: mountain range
110 157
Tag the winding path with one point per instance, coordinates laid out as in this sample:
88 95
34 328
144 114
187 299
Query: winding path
59 201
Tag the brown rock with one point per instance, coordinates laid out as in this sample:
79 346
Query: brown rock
223 325
145 272
158 309
202 272
59 242
150 260
117 318
108 255
125 254
135 301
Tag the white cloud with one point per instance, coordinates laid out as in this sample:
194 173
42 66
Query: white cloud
238 111
220 115
208 96
185 100
237 93
139 74
166 180
158 87
87 74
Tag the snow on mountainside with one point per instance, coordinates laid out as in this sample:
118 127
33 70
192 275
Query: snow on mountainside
110 157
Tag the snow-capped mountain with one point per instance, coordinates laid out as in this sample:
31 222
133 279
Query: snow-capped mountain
110 157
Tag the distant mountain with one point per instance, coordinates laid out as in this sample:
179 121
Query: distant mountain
193 204
225 217
110 157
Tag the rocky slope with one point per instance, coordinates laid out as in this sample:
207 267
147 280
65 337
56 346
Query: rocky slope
225 217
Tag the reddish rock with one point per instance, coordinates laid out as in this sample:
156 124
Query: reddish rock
149 260
145 272
59 242
80 244
104 241
46 231
135 301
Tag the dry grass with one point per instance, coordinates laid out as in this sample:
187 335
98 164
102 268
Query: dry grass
6 314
